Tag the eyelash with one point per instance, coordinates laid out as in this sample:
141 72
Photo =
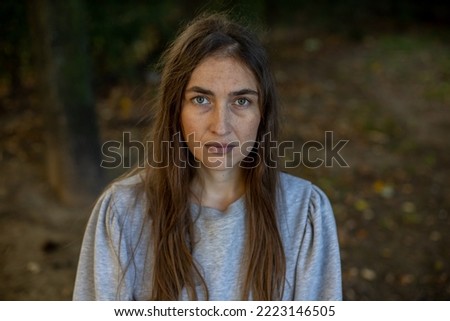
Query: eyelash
247 102
195 100
206 101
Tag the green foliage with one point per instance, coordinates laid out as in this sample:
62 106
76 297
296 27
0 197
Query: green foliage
125 34
127 37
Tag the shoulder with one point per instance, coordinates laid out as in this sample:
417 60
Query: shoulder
291 181
293 189
122 201
298 189
301 201
125 192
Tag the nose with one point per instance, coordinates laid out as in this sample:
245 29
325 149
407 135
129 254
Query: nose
220 120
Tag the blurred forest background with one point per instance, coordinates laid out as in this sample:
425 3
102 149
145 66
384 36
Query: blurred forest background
75 74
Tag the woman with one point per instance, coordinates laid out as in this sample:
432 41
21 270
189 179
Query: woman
210 217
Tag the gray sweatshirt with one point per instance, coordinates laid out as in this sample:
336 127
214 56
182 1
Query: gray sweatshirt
117 252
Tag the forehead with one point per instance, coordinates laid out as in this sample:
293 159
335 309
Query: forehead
222 71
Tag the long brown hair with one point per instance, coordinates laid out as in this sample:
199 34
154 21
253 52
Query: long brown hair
167 186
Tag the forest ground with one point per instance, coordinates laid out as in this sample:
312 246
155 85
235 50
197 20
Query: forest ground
388 95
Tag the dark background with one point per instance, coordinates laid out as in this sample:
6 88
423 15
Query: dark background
76 74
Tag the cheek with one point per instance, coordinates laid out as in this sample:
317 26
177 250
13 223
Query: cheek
190 131
251 128
187 125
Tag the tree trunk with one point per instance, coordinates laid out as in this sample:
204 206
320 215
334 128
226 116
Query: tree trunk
62 64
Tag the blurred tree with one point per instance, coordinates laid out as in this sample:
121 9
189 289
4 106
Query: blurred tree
62 67
14 49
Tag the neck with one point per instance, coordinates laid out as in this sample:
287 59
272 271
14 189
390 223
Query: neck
218 189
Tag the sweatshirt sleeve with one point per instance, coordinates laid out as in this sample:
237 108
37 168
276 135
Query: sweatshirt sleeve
100 273
318 275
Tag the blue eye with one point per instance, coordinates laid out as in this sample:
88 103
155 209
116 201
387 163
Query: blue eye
241 102
200 100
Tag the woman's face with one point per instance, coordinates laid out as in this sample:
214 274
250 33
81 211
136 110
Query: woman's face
220 113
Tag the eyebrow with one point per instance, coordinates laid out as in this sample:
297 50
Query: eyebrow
200 90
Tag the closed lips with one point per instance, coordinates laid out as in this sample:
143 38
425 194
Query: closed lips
220 148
